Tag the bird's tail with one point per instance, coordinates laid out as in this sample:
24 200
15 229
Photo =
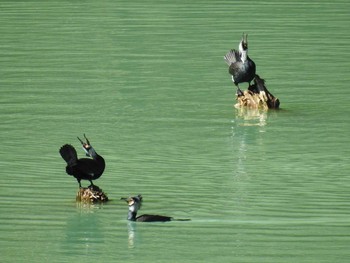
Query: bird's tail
69 154
180 219
231 57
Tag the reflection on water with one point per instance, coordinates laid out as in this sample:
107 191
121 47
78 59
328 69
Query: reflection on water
252 117
84 230
131 234
245 117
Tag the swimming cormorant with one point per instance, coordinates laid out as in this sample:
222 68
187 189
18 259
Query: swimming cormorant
135 203
83 168
241 67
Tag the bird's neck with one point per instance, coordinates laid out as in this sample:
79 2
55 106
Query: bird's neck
93 153
132 216
244 55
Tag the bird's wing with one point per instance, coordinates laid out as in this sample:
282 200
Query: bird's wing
153 218
235 69
232 56
69 154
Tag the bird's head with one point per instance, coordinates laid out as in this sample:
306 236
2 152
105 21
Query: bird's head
134 202
86 146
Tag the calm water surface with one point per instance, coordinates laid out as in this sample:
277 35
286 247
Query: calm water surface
148 85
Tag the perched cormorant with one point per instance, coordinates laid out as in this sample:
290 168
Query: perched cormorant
83 168
241 67
135 203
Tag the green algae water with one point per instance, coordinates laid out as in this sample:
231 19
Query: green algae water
147 83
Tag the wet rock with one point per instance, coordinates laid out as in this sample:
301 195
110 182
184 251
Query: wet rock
91 194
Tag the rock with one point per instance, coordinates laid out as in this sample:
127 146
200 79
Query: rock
257 96
91 194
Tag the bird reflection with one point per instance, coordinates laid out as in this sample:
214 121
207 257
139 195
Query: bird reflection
131 234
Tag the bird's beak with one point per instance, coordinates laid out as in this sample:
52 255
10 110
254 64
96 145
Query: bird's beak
129 200
81 141
86 145
87 140
245 39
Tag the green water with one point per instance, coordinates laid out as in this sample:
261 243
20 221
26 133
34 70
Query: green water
146 81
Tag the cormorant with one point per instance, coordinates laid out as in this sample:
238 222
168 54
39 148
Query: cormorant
135 203
241 67
83 168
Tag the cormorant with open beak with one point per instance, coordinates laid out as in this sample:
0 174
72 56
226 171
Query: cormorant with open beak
241 67
84 168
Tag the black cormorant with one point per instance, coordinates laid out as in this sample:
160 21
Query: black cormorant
135 203
241 67
83 168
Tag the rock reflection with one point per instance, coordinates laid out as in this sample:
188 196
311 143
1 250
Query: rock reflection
252 117
83 230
